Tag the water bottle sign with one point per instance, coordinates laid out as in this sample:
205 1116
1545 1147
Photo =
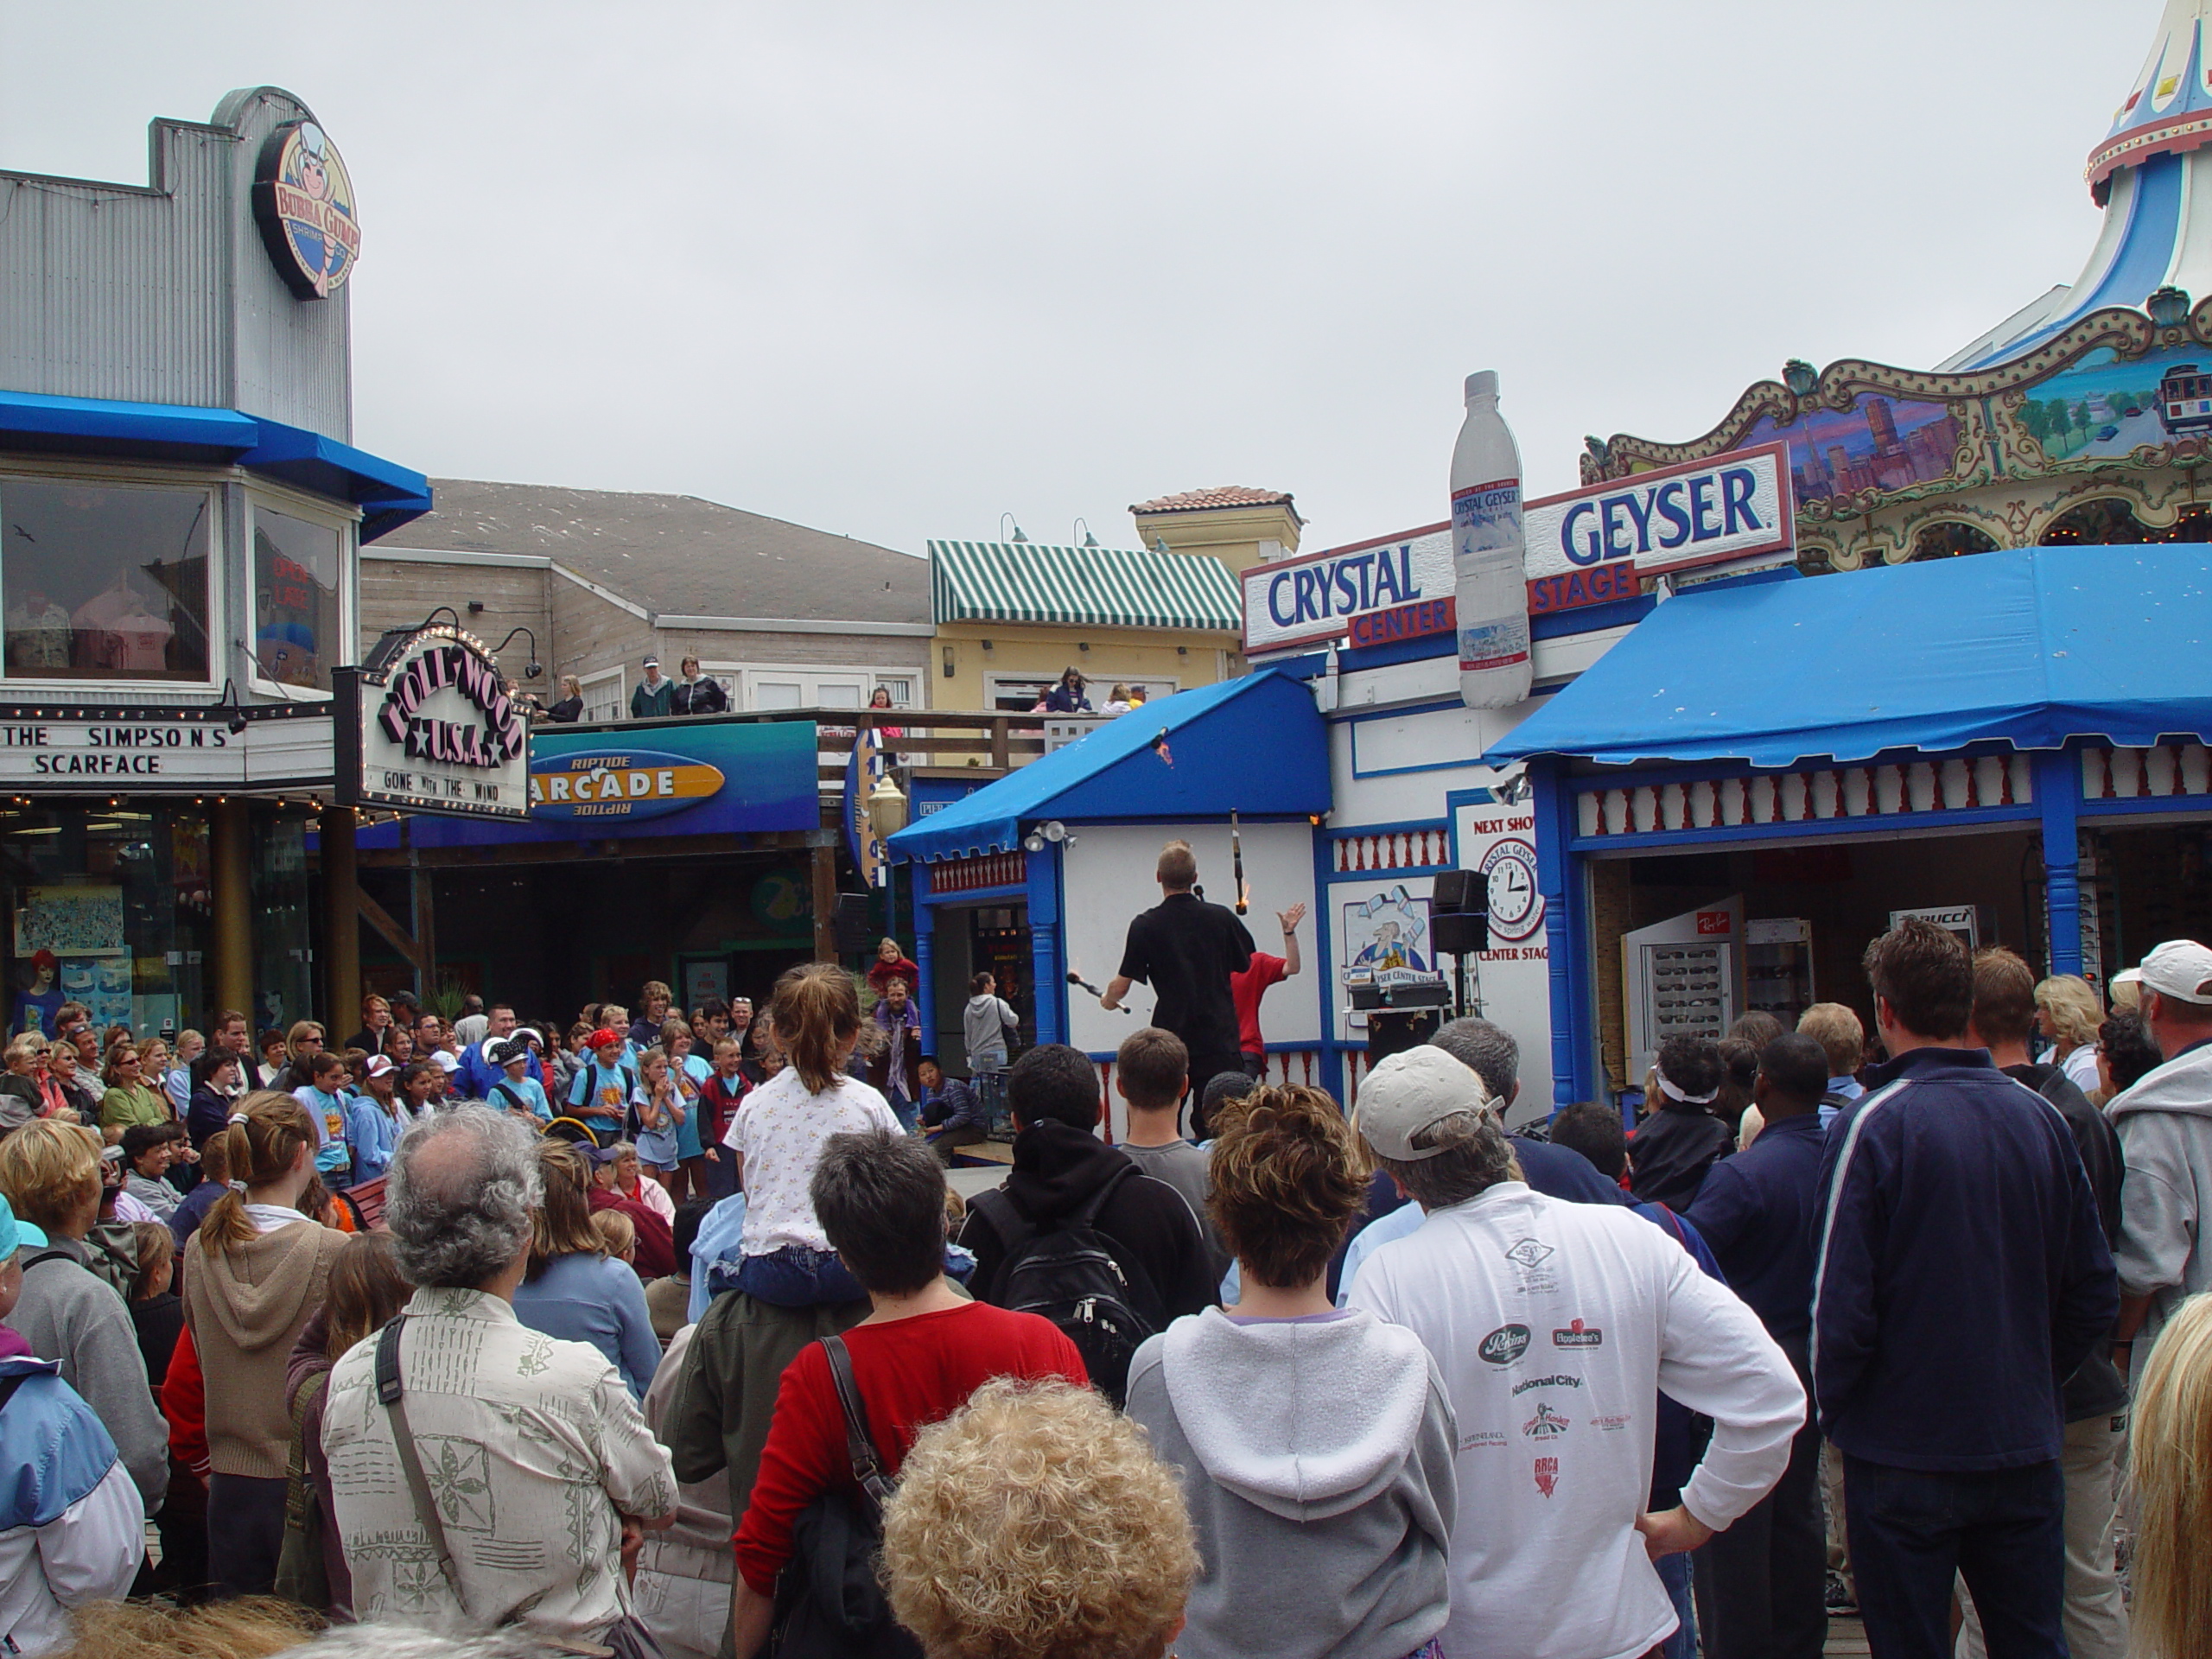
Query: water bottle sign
1490 598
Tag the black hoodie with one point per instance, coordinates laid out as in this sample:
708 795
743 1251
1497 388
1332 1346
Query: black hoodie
1056 1168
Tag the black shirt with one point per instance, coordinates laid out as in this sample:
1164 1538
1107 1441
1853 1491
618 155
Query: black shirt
567 709
2096 1388
1670 1155
1185 949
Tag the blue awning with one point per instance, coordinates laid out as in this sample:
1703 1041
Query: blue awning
2030 648
388 495
1255 745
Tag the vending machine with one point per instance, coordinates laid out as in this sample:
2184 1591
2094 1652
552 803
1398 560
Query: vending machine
1682 978
1778 966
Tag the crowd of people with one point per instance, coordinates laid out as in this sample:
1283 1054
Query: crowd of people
666 1335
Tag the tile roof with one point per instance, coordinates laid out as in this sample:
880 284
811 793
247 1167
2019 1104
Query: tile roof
1225 495
677 554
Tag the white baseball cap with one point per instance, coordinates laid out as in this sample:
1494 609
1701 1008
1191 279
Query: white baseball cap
2181 969
1411 1092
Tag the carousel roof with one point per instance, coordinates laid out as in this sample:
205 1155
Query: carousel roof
2153 175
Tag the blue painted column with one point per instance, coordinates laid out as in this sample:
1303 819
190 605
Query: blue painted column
1560 881
2058 803
1048 970
925 952
1324 969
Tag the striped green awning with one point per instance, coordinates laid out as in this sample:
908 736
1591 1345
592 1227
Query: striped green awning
1086 586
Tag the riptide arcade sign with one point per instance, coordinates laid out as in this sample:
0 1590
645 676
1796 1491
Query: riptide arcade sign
1602 542
426 726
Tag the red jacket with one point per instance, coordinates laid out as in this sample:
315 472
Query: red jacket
656 1240
184 1403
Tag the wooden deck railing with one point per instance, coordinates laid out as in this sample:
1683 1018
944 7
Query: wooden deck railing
927 737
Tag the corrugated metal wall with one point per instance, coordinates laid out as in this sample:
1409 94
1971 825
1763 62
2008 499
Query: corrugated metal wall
165 295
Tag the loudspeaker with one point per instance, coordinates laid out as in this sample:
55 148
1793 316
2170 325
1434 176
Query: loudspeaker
850 920
1456 890
1389 1032
1459 936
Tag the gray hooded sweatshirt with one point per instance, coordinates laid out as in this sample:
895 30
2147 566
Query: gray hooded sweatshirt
2165 1125
1317 1460
984 1024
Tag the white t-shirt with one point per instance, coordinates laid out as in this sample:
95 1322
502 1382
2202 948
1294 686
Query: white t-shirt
2081 1066
779 1132
1554 1326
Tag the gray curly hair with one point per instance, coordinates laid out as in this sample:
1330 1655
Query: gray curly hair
462 1185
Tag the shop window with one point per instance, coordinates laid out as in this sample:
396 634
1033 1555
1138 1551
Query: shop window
603 697
1948 541
2113 523
901 687
1021 695
283 965
103 582
297 567
773 687
109 907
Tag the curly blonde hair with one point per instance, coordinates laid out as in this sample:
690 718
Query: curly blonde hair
1036 1523
2071 1002
2170 1450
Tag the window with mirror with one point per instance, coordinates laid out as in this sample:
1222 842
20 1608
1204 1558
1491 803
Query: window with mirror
103 582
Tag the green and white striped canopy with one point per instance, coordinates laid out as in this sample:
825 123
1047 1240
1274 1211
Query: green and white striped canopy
1087 587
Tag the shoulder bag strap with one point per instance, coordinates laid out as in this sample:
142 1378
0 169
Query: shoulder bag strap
860 1446
392 1395
1088 1216
297 1489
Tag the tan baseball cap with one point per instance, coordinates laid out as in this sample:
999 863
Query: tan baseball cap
1411 1092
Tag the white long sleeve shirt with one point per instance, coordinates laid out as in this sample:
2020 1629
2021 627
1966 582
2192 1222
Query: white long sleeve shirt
1555 1326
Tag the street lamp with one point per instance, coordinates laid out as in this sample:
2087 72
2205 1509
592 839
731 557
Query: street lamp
886 808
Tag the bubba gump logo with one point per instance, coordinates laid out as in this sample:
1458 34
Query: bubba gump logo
625 784
303 200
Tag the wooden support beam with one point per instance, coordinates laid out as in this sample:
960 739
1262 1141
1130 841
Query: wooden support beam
825 904
388 925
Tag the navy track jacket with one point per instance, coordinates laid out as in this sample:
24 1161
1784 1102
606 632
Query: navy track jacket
1960 1271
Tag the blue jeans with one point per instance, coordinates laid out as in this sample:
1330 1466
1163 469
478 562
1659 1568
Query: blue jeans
794 1276
2003 1530
1675 1573
904 1109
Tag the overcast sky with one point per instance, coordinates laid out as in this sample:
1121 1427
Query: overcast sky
892 268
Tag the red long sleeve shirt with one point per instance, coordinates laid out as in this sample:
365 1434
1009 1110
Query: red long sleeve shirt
911 1373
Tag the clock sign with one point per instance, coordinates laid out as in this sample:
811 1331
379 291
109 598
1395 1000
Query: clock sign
1517 908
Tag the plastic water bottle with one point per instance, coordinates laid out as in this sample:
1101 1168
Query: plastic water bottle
1488 555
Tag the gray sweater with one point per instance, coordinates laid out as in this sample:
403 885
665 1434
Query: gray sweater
68 1313
1316 1462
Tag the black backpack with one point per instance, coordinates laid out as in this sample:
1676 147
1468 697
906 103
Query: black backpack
1073 1274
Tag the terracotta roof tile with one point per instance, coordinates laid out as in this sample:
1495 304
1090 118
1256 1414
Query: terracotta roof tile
1226 495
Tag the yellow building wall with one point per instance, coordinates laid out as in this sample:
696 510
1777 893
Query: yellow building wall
1239 537
1031 651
